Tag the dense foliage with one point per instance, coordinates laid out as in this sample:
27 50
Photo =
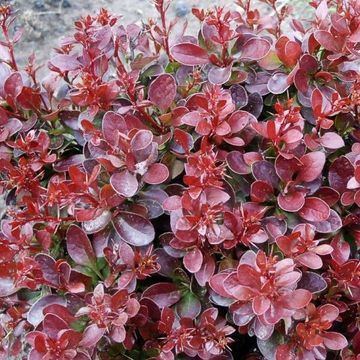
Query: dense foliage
174 197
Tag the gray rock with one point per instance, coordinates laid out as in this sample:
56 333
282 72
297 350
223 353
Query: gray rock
181 9
39 5
66 4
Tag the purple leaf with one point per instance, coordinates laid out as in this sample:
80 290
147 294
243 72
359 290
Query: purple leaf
255 49
92 334
218 75
330 225
312 282
7 287
265 171
35 315
97 224
134 229
278 83
255 104
189 306
65 62
79 246
239 96
124 183
237 164
331 140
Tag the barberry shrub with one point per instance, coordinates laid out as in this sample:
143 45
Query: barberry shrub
172 197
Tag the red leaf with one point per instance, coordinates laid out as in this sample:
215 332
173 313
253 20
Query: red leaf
297 299
310 260
308 63
156 174
162 91
260 305
239 292
315 209
189 54
341 252
134 229
163 294
193 260
340 172
113 124
239 120
261 191
312 166
328 41
291 202
216 283
301 80
79 246
206 271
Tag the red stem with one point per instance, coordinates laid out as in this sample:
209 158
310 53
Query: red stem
162 12
10 47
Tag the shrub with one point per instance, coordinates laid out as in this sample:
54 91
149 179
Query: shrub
174 197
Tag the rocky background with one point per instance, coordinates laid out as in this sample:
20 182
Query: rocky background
45 21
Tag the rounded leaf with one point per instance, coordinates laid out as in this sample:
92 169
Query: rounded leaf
133 228
163 294
162 91
189 54
291 202
332 224
97 224
278 83
189 306
312 166
340 172
124 183
313 282
315 209
35 315
193 260
79 246
218 75
331 140
334 340
156 174
255 49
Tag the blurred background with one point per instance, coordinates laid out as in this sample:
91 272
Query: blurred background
46 21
